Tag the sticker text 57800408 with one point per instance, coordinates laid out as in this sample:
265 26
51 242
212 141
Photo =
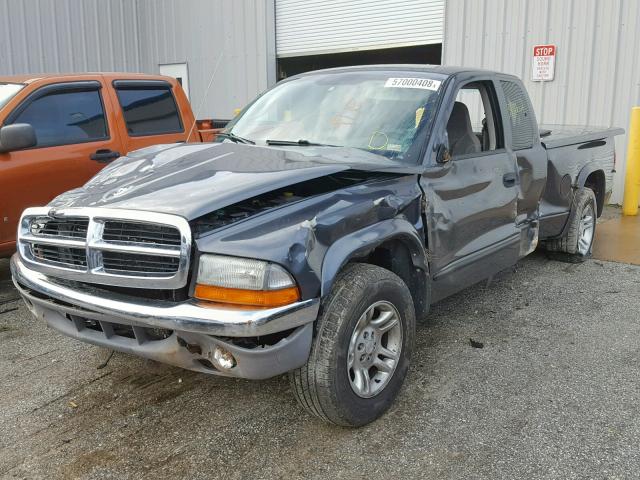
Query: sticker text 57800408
424 83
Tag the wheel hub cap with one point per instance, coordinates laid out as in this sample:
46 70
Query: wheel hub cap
585 230
374 349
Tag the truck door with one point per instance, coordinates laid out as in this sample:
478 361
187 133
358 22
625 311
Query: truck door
472 196
74 140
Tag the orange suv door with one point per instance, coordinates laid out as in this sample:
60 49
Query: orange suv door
150 113
76 138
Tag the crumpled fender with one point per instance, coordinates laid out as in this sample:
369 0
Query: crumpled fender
360 242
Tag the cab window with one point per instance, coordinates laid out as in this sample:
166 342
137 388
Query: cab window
65 117
473 127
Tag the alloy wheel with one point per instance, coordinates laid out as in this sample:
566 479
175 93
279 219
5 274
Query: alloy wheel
374 349
586 230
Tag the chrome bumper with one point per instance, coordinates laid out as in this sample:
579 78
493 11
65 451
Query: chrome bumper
189 316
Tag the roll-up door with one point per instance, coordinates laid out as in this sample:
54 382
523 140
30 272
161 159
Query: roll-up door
312 27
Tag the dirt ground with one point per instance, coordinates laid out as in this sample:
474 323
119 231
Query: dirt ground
554 393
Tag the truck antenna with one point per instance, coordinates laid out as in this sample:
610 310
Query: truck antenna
206 92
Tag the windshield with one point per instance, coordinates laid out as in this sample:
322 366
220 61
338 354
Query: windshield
8 91
381 112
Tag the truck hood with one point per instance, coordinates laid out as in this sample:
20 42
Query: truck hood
191 180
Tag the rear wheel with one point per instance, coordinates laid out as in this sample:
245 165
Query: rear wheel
576 245
362 348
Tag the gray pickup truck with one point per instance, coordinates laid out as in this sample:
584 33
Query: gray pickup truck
337 207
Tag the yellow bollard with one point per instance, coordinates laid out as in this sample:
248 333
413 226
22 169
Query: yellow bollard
632 175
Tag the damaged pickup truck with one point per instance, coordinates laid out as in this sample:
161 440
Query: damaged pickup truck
336 208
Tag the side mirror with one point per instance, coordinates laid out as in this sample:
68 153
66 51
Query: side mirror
442 154
17 137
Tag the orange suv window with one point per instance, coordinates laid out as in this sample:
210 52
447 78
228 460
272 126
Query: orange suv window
66 117
149 110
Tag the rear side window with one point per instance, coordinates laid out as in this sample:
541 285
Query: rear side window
149 110
522 128
66 117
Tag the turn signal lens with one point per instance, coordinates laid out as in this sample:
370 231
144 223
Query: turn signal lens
256 298
244 281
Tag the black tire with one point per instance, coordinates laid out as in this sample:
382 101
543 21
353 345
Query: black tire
566 248
323 385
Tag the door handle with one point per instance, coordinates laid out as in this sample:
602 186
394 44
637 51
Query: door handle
509 179
104 156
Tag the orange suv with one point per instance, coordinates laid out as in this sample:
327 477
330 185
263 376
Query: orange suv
57 131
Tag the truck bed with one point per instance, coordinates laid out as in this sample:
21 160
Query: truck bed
554 136
573 153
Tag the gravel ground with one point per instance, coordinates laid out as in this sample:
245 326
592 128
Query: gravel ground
553 394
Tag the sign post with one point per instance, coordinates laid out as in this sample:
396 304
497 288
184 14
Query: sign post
544 63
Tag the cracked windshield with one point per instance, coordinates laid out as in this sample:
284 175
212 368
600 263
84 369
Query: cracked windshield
376 112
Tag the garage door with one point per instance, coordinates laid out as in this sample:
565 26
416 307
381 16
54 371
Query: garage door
311 27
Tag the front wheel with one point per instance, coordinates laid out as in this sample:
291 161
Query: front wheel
362 348
576 245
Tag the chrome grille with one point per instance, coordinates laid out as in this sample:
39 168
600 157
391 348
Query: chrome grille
131 263
139 232
54 227
62 256
107 246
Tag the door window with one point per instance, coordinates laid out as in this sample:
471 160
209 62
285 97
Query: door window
149 110
66 117
473 126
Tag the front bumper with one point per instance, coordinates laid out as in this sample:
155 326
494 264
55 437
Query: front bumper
194 328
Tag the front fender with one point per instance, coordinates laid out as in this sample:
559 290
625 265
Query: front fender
359 243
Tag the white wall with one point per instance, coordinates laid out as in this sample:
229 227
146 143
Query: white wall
597 78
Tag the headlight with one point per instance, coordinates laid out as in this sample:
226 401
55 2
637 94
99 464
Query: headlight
244 281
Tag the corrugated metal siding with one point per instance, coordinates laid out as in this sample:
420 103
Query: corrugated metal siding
305 27
237 36
597 77
52 36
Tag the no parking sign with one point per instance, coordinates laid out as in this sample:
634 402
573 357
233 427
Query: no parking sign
544 63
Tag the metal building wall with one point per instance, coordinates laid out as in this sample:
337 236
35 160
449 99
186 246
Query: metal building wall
597 77
51 36
236 36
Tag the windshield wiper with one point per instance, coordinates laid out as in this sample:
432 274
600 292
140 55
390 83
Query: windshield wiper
235 138
302 143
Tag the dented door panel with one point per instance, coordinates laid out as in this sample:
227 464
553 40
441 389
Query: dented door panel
471 214
532 175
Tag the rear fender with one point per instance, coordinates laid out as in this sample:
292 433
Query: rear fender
602 188
587 170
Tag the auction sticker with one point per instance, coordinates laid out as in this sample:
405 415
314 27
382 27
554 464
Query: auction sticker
423 83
